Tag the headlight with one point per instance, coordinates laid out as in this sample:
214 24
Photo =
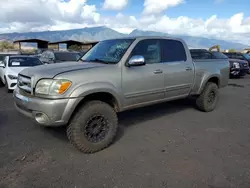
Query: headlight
12 77
236 65
52 87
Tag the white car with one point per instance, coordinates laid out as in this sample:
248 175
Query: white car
11 66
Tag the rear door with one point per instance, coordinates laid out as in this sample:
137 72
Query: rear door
178 69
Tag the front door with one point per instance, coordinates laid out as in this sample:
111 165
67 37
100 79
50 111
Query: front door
179 69
144 84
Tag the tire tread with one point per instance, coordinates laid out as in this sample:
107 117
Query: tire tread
75 139
201 100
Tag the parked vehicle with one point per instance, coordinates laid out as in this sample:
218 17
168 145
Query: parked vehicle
4 54
240 56
114 76
11 66
237 67
51 56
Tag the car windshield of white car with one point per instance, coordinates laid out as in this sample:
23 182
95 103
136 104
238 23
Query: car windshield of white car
24 62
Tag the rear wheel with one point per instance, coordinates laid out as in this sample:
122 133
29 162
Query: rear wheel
208 99
94 127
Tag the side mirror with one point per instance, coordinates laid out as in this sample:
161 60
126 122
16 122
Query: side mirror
1 64
136 60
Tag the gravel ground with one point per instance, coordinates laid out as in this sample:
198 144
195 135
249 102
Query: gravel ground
169 145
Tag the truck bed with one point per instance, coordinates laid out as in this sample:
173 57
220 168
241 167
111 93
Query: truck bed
205 68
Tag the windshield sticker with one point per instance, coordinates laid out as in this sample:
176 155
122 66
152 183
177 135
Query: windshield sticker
14 63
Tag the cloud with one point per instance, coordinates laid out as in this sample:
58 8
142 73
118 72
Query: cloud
40 15
158 6
115 4
236 28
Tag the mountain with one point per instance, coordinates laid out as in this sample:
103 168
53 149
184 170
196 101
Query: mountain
192 41
85 34
102 33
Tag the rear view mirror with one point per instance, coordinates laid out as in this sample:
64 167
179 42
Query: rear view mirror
136 60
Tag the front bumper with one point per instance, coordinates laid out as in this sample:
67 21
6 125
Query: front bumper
243 72
238 71
11 84
46 112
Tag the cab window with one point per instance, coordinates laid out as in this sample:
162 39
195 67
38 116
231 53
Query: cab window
173 51
149 49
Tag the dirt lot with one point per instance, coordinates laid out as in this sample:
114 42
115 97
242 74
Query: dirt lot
169 145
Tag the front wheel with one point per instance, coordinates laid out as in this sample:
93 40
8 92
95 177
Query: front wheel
208 99
94 127
1 82
7 86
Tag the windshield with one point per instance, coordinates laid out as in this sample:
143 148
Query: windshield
108 51
67 56
219 55
234 56
24 62
247 56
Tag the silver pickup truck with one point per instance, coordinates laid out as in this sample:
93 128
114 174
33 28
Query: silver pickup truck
114 76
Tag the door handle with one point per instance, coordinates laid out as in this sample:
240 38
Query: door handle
188 68
158 71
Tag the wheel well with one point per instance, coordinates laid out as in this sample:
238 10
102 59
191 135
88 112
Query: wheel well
100 96
214 80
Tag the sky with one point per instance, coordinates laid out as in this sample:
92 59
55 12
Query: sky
220 19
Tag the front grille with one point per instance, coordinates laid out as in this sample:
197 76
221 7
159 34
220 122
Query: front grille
24 83
244 65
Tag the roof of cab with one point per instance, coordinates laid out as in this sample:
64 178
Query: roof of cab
148 37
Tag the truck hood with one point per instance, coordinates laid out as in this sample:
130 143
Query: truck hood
51 70
237 60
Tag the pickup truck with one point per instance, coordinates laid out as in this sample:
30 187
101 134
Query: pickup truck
114 76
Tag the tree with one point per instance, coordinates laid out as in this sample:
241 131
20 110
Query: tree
5 45
75 47
231 50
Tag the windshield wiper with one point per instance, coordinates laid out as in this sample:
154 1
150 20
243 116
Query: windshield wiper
99 61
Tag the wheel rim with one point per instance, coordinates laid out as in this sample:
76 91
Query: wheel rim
96 128
211 97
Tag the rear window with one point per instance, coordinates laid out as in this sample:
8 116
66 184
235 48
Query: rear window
67 56
173 50
24 62
201 55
